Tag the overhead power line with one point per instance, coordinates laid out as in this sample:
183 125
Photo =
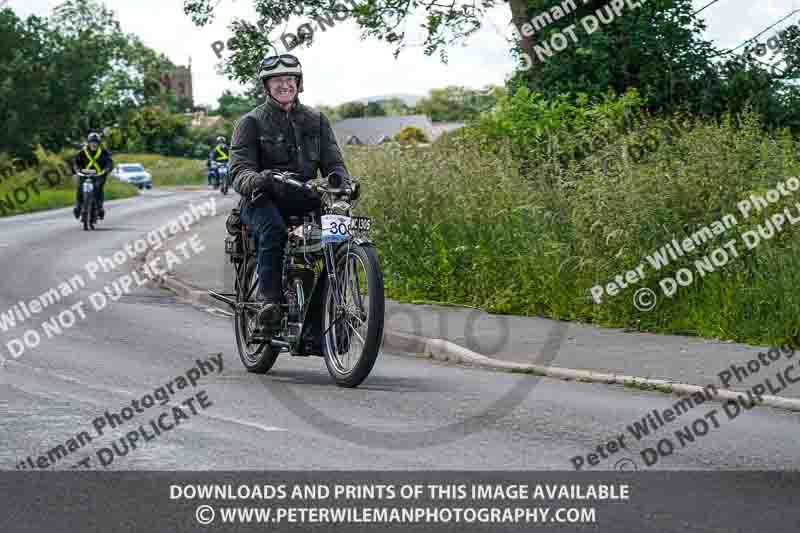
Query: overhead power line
765 30
705 6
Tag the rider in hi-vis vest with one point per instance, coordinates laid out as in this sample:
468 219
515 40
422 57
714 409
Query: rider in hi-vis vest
218 154
93 157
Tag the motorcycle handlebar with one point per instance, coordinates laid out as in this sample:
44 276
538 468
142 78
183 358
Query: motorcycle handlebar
288 178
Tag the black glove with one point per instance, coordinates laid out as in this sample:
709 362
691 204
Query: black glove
310 195
265 184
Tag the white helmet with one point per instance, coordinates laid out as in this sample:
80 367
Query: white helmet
281 65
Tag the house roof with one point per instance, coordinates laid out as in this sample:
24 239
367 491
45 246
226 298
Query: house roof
370 130
202 120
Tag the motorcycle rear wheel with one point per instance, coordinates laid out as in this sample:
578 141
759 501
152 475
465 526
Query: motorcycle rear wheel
257 357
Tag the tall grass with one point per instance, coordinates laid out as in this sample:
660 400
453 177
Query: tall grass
466 223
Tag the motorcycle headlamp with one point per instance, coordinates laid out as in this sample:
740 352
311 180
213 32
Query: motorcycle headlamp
340 208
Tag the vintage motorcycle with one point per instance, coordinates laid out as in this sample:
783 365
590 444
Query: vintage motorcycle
332 282
89 208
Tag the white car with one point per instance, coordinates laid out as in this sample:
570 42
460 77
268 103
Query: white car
135 174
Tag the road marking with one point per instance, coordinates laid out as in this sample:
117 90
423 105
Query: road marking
247 423
50 394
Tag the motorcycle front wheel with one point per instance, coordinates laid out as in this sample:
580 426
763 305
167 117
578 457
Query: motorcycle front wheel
257 356
86 214
353 314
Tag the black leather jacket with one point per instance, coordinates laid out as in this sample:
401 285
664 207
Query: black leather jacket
269 138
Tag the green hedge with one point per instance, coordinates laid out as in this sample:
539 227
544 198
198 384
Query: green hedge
463 221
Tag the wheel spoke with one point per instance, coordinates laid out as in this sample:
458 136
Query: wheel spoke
357 334
356 288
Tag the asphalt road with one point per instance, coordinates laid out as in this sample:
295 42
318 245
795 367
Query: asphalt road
411 414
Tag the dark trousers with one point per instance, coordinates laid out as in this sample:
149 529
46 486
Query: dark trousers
266 221
98 193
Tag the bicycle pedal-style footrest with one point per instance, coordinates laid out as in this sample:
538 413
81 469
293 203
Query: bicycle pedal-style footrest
275 343
226 298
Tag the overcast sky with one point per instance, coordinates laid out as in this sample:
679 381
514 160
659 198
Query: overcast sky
339 67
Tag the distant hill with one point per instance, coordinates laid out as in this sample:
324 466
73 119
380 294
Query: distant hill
409 99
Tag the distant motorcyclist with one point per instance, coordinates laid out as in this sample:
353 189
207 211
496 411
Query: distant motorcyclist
279 135
219 154
93 157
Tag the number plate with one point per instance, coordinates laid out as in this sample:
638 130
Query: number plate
335 228
360 225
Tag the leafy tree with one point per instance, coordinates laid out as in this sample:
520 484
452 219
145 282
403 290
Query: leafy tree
396 107
352 110
455 103
26 88
656 48
374 109
153 129
70 73
234 105
331 112
445 24
52 69
89 39
132 81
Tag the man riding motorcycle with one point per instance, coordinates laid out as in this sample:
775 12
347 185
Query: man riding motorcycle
279 135
219 155
92 157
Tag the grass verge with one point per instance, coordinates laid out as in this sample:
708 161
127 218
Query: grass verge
168 171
